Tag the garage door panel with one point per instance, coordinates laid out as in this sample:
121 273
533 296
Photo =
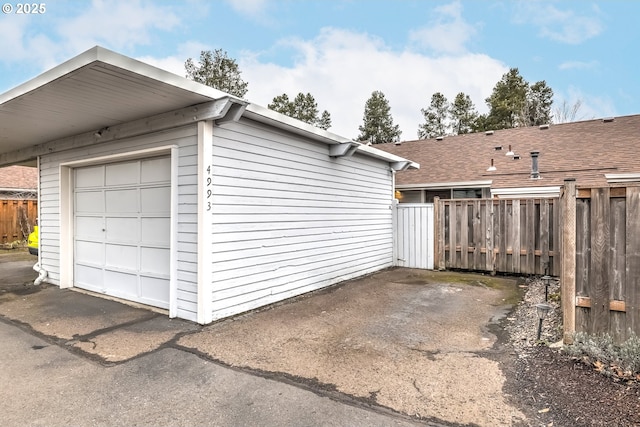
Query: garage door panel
122 174
88 277
89 228
122 201
90 253
89 202
155 290
121 284
155 170
90 177
154 260
155 231
155 200
122 230
121 256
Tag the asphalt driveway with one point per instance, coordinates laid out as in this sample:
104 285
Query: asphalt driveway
406 344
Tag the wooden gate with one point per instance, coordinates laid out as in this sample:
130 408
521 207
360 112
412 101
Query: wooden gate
414 235
17 218
601 265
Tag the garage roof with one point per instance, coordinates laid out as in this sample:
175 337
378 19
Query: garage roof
101 89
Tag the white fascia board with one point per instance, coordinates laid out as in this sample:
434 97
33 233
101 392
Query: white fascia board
514 193
281 121
445 185
613 178
100 54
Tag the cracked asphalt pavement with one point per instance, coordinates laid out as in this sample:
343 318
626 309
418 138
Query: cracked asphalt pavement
400 347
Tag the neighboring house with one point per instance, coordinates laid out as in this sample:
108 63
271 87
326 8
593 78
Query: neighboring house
594 152
166 192
18 183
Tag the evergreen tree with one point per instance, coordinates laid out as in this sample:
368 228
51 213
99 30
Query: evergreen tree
463 114
515 103
377 125
303 107
538 108
436 118
217 70
507 101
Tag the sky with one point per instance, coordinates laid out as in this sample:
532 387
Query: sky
341 51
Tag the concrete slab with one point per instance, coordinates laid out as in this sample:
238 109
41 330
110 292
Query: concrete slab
413 342
409 340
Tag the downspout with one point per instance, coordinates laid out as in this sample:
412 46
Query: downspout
42 274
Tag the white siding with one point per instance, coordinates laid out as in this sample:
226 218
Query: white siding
185 138
288 219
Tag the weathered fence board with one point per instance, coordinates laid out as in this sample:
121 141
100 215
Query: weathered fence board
498 235
17 218
606 243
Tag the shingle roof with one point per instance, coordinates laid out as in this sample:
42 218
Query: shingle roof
583 150
19 177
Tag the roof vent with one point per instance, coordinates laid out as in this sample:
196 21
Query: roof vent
544 126
492 167
510 152
516 157
498 148
439 138
608 119
489 132
398 143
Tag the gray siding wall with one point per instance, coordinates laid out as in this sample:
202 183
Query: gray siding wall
186 139
289 219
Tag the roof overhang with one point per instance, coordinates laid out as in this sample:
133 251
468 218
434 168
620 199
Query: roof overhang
526 192
107 95
445 185
95 90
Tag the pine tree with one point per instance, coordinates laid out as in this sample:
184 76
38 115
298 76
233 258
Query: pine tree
436 118
217 70
303 107
463 114
377 126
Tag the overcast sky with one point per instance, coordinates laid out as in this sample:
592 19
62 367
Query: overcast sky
342 51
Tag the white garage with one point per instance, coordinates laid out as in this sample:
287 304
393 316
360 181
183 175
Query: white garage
165 192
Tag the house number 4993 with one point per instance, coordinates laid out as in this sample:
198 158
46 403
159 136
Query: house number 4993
208 188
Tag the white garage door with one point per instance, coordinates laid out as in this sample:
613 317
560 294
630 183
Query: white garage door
122 226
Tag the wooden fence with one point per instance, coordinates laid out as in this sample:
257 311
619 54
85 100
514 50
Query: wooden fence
498 235
17 218
601 260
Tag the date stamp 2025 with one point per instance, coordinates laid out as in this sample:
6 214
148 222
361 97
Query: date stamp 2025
24 8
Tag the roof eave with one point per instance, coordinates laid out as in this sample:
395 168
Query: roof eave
284 122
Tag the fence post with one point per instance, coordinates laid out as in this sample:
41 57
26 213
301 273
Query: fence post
568 278
436 233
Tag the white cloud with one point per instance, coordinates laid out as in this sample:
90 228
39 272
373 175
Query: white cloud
578 65
248 7
341 69
448 32
591 106
565 26
175 62
120 25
